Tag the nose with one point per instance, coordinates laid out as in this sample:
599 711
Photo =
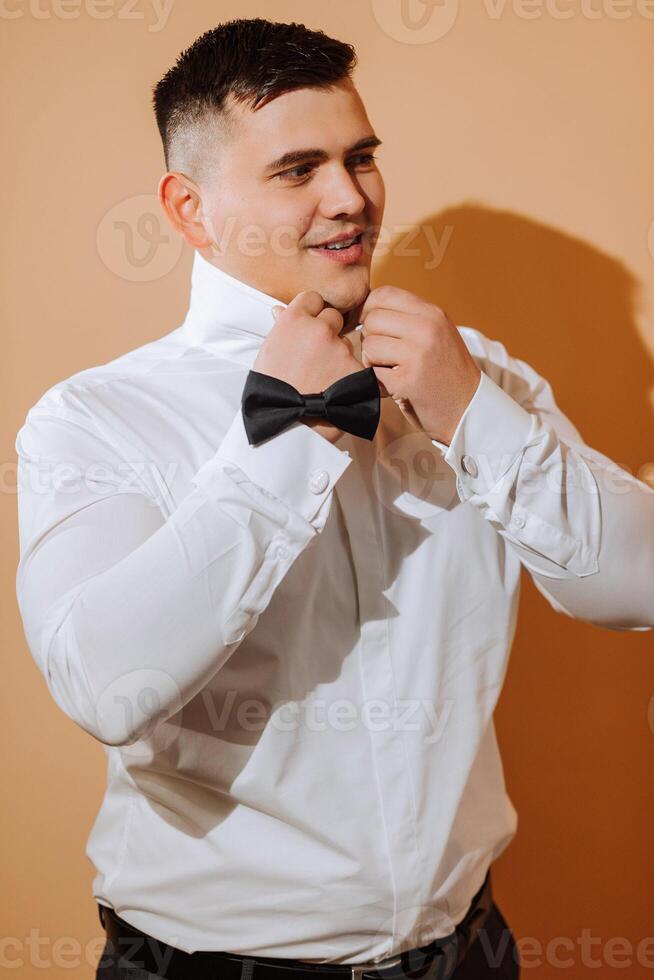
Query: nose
341 194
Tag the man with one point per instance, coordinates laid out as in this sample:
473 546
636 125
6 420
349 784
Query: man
292 649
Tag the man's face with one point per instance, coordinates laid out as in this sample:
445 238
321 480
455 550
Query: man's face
290 207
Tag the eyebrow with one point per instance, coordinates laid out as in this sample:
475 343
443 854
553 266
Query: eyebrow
294 157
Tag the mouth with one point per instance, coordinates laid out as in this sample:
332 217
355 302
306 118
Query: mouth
347 251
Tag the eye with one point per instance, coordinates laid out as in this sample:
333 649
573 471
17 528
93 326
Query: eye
296 173
367 157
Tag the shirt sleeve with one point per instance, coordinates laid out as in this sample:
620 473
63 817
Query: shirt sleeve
129 611
582 526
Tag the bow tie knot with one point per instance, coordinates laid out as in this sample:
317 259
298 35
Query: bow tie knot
315 405
269 405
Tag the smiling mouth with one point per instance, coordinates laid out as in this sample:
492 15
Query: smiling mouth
340 246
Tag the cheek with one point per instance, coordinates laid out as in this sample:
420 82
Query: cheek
225 212
285 224
377 193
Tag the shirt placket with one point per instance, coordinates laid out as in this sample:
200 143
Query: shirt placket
390 760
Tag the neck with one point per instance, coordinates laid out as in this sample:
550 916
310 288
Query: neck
351 319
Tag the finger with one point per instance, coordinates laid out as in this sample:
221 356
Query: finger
332 317
388 377
406 408
393 298
308 301
366 363
391 323
384 350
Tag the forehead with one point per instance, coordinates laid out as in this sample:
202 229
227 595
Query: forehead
308 117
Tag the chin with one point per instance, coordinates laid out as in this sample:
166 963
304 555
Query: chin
351 294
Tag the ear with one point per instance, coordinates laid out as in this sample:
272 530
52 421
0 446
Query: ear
181 201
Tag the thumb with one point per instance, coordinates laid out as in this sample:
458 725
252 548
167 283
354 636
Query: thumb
406 408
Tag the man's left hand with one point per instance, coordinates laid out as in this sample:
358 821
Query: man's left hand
419 356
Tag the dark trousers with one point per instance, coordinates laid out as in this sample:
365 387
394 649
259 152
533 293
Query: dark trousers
492 956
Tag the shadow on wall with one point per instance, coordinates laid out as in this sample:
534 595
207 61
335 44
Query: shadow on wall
553 300
572 720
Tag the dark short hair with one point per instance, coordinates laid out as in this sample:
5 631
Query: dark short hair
250 61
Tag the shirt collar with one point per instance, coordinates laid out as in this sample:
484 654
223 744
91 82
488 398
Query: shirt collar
226 314
229 316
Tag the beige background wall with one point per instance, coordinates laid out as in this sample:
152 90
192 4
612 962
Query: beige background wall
520 137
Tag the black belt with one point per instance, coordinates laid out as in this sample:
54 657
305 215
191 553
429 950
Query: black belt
435 961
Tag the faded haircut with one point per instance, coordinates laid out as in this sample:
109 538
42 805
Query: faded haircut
247 62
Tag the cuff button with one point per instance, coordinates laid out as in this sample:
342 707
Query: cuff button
319 481
469 465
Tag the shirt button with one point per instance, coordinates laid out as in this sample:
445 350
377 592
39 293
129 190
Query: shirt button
518 521
319 481
281 551
469 465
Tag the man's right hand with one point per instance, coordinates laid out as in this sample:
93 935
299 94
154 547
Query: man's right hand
304 349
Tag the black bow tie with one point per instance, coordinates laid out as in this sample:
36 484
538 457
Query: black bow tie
270 405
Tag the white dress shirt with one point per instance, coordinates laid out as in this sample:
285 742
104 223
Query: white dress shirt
292 651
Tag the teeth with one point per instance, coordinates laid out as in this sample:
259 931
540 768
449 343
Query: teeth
338 245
